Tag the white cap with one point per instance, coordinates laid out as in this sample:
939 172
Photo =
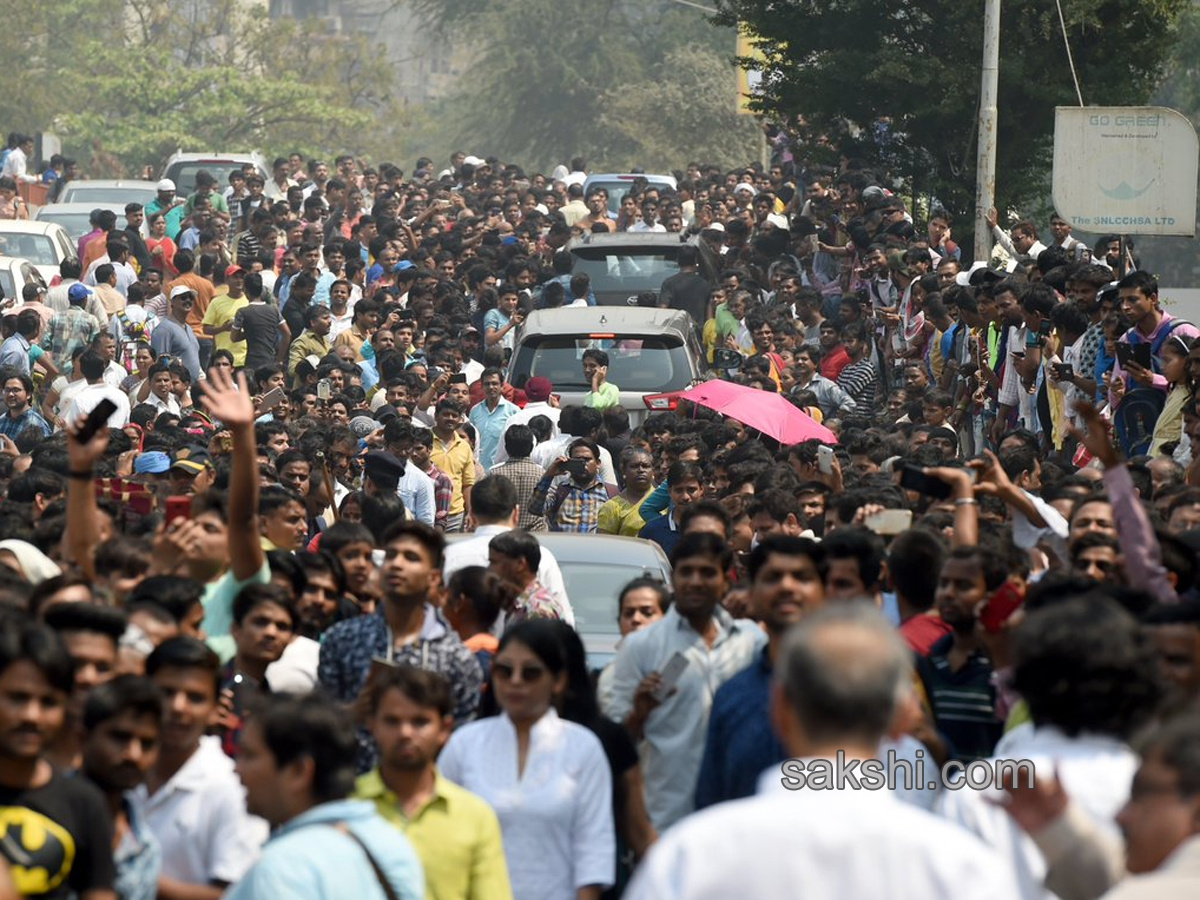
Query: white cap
778 221
714 226
744 187
181 289
166 185
472 161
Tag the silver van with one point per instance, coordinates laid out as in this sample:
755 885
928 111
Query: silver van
651 351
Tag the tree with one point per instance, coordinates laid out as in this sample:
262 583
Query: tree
127 83
900 82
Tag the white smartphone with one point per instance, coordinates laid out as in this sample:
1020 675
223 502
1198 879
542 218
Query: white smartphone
670 676
825 460
890 522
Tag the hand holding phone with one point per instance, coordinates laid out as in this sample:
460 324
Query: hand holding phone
95 420
670 676
913 478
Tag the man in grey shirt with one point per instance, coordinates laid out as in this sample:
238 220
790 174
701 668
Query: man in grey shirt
173 336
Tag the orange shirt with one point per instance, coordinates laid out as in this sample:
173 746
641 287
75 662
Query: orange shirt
204 291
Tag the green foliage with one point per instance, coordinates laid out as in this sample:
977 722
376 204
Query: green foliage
129 83
837 68
621 83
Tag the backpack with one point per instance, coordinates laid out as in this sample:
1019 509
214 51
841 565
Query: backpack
1133 337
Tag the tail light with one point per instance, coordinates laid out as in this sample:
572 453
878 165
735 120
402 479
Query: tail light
661 402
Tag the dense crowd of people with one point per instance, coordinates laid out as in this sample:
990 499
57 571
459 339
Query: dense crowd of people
277 621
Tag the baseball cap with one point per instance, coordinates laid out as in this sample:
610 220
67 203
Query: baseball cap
153 462
180 289
191 459
383 468
363 426
538 389
714 226
233 270
778 221
473 161
165 185
78 293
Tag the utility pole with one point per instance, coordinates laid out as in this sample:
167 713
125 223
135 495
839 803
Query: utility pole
985 163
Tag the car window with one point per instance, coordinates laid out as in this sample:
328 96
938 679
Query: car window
644 363
85 193
184 174
593 589
37 248
627 269
7 285
75 224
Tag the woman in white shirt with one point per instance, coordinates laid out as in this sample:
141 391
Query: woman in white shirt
547 779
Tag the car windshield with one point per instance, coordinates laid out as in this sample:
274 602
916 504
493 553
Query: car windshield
628 269
37 248
642 363
75 224
184 174
85 193
594 588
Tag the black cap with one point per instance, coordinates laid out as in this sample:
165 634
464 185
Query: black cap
383 468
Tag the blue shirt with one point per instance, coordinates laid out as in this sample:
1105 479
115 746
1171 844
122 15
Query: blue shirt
31 418
663 531
309 858
14 354
138 858
740 744
490 425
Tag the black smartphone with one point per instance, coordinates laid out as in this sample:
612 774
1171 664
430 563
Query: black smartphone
96 420
1065 371
1045 327
913 478
1135 353
576 468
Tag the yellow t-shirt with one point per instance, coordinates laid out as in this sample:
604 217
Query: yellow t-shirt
619 516
456 836
220 312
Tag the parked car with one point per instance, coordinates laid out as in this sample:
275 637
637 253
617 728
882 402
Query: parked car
595 567
75 218
651 351
618 185
182 167
45 244
624 264
15 273
105 192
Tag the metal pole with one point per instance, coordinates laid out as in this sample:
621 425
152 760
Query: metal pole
985 164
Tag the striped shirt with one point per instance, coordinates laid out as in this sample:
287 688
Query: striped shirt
963 701
858 381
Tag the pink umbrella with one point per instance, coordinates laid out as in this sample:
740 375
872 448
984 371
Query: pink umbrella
770 413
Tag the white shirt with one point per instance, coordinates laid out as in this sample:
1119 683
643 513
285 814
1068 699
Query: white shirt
416 489
125 274
556 817
89 398
115 374
640 226
676 731
819 845
16 165
199 817
295 672
170 405
548 451
523 417
473 551
1096 772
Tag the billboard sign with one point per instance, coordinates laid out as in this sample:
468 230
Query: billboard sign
1126 169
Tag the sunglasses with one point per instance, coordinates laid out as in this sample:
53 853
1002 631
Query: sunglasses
529 673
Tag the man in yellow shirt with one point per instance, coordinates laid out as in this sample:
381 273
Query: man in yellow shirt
456 834
452 454
218 318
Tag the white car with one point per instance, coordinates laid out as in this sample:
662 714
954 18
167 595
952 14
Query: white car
45 244
15 273
75 218
103 192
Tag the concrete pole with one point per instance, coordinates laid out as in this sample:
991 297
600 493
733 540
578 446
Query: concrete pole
985 164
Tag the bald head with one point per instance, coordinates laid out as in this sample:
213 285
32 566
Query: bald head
842 671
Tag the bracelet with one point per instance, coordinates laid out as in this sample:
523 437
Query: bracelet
82 476
966 501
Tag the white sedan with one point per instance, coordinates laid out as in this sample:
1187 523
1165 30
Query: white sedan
45 244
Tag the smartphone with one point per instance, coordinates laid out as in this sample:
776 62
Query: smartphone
95 420
913 478
272 399
178 508
1065 371
825 460
890 522
1045 328
324 389
670 675
1135 353
576 468
1000 606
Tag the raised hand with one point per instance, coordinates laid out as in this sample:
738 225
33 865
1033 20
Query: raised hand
233 406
